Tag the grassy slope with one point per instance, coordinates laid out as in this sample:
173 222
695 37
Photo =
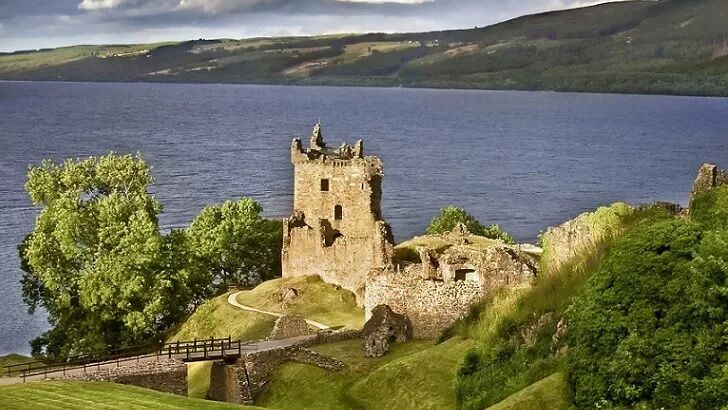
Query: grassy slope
13 359
505 362
424 380
405 378
198 379
217 318
316 300
670 46
95 395
548 393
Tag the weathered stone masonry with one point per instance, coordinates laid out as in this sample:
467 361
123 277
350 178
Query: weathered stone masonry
439 290
336 230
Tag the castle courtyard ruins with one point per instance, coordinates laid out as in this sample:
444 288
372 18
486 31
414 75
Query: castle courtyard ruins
337 231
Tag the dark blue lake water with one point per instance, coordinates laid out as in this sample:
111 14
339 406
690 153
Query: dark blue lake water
522 160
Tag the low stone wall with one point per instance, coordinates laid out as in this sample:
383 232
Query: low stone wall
307 356
169 376
333 337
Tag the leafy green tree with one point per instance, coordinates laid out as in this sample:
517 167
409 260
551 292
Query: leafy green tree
234 244
650 328
96 260
450 216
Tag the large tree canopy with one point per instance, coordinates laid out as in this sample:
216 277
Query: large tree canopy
98 264
234 244
96 260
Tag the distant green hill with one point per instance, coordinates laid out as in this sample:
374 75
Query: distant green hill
662 47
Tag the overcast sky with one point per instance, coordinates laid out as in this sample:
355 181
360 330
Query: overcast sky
29 24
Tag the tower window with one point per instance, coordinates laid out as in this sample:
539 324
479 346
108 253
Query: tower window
324 185
338 213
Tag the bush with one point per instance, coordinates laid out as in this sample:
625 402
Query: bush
710 210
450 216
650 327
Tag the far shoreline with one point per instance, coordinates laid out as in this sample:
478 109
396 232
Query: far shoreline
384 87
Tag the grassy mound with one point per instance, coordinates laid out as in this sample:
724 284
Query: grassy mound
316 300
548 393
13 359
217 318
414 374
96 395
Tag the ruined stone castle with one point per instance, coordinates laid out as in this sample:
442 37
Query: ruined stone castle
337 232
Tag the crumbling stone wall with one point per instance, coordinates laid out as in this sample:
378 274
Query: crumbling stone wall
564 242
709 177
431 305
336 230
434 294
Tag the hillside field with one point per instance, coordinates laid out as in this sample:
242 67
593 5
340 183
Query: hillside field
657 47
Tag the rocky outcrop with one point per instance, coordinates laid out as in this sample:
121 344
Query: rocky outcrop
709 177
289 326
382 329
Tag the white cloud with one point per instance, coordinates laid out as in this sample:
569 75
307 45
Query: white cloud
101 4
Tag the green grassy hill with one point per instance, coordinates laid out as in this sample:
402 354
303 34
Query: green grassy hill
96 395
217 318
414 374
666 47
317 300
549 393
13 359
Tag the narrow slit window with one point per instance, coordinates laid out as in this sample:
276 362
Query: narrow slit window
338 213
324 185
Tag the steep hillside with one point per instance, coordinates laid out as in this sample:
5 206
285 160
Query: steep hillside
517 331
667 46
217 318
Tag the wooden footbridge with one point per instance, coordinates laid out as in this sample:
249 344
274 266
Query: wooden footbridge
188 351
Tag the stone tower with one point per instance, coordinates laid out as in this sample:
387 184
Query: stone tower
336 230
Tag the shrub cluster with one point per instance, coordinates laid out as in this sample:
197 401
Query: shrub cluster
450 216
